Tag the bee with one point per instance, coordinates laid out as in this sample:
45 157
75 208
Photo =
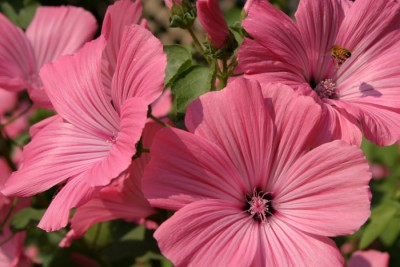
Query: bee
340 54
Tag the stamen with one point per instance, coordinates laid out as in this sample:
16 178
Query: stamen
259 205
326 89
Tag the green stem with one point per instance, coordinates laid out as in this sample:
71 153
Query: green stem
7 239
9 213
163 123
19 115
96 236
198 45
5 148
224 75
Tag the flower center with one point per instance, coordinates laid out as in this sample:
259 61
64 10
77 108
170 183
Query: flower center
326 89
259 205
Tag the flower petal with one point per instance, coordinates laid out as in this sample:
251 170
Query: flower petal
122 13
367 22
58 31
260 63
192 169
297 118
326 191
245 133
276 31
72 195
319 33
337 123
220 235
124 200
282 245
74 86
57 152
140 67
17 59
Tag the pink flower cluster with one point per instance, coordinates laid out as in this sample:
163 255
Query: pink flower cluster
270 166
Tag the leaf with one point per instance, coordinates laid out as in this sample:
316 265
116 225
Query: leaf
380 219
190 85
20 12
391 232
26 218
179 60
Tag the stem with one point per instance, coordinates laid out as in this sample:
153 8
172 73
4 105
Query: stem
7 239
163 123
5 148
9 213
14 118
198 45
224 75
96 236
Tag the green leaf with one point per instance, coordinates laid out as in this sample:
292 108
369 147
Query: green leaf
190 85
179 59
380 219
391 232
26 218
20 12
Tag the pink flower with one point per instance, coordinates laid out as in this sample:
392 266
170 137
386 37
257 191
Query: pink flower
247 188
122 199
370 258
92 139
53 32
212 19
345 54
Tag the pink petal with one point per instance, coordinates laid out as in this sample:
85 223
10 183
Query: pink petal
297 118
213 21
56 152
72 195
58 31
140 67
326 191
122 13
74 86
245 133
367 22
162 105
112 202
260 63
17 59
263 21
370 258
380 124
194 169
220 235
319 33
338 124
132 121
283 245
8 101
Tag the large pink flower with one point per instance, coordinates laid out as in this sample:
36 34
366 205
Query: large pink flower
92 139
247 187
53 32
346 54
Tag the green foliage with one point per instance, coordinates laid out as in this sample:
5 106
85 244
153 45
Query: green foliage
190 85
380 219
179 60
20 12
25 218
